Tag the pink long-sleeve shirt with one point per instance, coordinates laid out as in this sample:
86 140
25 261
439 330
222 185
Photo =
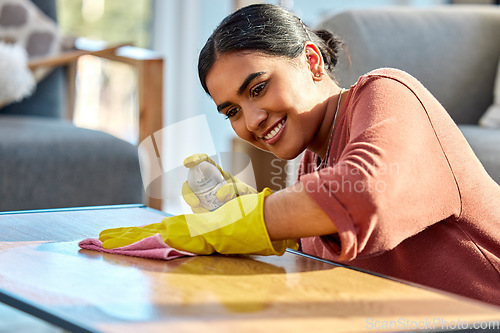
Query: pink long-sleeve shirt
405 191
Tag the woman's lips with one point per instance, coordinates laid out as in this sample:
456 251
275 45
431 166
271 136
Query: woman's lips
274 135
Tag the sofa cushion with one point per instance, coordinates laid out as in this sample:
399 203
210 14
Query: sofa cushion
48 98
491 118
452 50
50 163
23 23
486 146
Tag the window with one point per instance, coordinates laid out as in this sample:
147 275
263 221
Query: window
106 96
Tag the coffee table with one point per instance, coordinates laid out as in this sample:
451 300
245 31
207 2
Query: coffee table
46 275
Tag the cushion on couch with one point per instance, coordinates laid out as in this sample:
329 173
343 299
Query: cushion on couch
486 145
48 163
48 98
23 23
491 118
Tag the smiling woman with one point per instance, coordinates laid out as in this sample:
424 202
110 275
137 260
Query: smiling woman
385 182
266 72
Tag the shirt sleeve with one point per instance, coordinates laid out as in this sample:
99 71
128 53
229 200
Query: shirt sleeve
391 181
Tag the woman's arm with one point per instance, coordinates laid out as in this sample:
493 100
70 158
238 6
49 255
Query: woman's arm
292 213
390 181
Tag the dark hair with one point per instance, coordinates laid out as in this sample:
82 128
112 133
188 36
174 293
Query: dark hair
269 29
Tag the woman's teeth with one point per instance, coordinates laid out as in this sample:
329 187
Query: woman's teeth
275 130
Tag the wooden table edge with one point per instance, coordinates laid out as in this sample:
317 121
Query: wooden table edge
59 320
69 209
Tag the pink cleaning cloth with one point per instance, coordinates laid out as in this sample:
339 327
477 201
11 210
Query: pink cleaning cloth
152 247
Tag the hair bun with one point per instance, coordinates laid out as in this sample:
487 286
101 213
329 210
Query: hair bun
333 45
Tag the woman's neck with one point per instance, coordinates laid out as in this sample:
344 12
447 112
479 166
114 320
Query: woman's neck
321 140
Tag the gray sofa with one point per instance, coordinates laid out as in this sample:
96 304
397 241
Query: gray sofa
47 162
452 50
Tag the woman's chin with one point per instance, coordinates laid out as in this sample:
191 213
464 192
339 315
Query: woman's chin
283 154
286 155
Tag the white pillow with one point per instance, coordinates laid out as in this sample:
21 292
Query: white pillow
26 33
491 118
22 22
16 80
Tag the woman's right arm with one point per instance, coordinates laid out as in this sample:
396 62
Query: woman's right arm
391 181
291 213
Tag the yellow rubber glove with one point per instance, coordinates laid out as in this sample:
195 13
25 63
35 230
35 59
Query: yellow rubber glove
225 193
235 228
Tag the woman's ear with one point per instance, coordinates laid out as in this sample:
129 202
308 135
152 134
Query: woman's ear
314 61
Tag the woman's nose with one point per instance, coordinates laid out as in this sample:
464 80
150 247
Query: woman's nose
254 117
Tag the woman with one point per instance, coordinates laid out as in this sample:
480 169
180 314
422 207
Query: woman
387 182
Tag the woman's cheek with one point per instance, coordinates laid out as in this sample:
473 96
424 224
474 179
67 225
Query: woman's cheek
241 130
243 133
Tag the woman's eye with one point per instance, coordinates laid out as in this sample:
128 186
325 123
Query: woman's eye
257 90
232 112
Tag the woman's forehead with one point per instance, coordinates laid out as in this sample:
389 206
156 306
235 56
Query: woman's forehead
231 68
238 65
244 57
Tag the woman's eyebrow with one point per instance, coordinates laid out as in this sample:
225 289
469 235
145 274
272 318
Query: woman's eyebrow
242 88
248 80
222 106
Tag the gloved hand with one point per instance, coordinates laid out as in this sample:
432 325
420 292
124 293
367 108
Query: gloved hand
225 193
235 228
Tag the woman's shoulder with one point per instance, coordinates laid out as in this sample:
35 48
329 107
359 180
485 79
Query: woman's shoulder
387 73
386 79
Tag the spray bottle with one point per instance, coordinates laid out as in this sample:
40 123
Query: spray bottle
205 180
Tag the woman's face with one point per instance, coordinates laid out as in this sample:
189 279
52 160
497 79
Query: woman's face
270 101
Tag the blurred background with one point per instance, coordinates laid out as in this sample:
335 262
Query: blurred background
106 93
177 29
